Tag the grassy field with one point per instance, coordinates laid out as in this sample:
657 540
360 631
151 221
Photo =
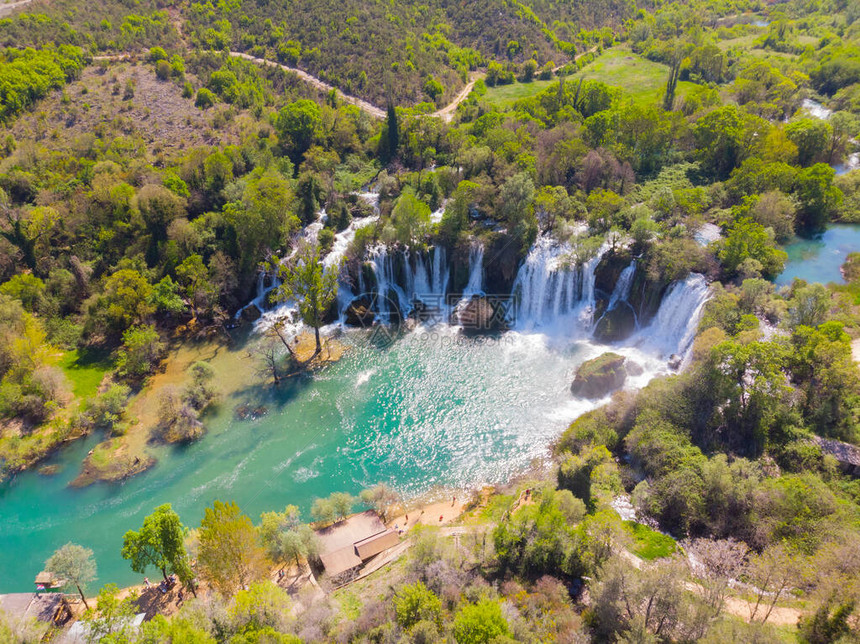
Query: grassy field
637 77
503 96
85 371
744 42
650 544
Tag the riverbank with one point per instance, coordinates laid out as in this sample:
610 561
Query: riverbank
117 459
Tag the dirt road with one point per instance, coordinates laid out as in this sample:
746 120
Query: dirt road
9 7
316 82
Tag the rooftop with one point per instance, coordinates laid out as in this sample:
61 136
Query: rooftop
346 532
31 605
347 543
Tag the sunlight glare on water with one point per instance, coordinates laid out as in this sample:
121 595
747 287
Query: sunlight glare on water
435 409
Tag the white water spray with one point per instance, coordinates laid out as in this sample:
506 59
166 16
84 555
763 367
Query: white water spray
674 327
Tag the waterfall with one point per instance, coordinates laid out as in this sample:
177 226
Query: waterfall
439 276
476 272
851 163
707 234
260 298
816 109
475 285
418 283
588 301
421 279
371 198
548 287
344 238
674 327
382 264
622 287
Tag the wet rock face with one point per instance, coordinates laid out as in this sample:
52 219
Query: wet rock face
481 315
616 324
600 376
359 313
646 296
250 314
607 272
501 262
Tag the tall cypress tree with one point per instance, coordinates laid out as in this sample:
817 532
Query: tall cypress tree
393 131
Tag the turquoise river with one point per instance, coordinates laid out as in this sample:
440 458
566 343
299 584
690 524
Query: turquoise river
434 410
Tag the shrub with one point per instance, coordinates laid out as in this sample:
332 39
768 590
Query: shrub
205 99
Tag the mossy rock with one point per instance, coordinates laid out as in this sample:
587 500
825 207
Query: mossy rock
615 325
600 376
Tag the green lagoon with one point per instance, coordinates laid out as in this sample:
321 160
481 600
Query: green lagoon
434 410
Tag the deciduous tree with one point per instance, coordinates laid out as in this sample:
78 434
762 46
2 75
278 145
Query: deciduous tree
75 565
230 555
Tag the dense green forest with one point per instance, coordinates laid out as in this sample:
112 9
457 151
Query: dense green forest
147 177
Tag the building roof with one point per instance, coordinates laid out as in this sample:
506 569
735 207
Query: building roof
346 532
375 544
48 580
30 605
340 560
344 545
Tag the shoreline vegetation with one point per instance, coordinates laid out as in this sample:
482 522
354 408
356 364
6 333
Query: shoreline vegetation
296 584
116 459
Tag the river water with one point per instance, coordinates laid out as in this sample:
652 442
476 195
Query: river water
432 410
819 258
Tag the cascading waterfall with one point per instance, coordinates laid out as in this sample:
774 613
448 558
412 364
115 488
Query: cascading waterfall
588 298
342 240
674 327
440 275
475 285
371 198
418 283
421 281
548 287
382 264
622 287
259 299
621 293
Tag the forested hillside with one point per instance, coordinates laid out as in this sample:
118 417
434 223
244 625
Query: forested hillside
392 52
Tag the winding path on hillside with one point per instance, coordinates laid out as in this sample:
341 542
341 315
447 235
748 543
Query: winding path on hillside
9 7
445 113
316 82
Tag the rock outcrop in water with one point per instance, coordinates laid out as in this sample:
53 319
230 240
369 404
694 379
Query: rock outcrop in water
481 315
360 313
600 376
